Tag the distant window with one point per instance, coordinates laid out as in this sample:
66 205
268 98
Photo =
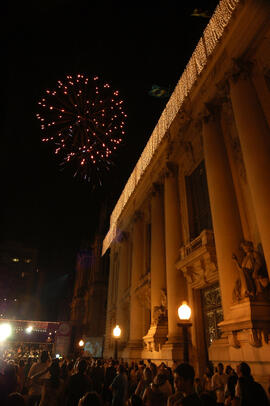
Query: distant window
199 213
15 260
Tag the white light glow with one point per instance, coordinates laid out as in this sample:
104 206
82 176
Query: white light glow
117 331
81 343
5 331
184 311
29 329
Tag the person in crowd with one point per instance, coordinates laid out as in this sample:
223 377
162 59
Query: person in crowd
207 379
119 387
133 378
97 376
247 391
184 375
78 384
153 368
9 382
35 385
144 382
15 399
21 375
207 399
135 400
27 368
110 374
219 381
231 383
158 391
52 390
90 399
198 386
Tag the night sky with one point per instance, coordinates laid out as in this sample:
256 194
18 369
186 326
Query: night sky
132 45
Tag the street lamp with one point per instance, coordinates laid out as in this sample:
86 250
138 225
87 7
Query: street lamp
81 343
184 313
116 334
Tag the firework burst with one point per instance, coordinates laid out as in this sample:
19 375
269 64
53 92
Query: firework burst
85 121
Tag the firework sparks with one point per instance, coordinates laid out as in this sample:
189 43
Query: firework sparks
85 121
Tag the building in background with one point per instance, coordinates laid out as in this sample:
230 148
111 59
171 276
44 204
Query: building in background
21 281
193 221
88 306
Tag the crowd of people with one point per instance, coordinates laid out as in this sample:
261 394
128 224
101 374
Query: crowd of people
41 381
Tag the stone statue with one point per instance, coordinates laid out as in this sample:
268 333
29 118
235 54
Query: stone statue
163 298
160 312
253 277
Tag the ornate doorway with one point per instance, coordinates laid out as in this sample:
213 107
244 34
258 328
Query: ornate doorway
212 312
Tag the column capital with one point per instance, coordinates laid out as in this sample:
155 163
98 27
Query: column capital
138 216
170 169
212 110
156 189
240 68
123 236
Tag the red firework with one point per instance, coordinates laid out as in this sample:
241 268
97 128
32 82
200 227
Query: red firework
85 121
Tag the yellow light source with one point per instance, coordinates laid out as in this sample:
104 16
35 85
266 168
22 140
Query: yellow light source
29 329
15 259
117 331
184 311
81 343
5 331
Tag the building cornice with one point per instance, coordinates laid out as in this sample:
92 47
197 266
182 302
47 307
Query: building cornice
198 61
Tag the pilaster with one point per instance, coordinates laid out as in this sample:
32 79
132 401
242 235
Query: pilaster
176 283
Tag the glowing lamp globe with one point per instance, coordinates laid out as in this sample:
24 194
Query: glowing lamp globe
5 331
184 311
117 331
81 343
29 329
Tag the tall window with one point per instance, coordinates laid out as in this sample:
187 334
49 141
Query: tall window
199 213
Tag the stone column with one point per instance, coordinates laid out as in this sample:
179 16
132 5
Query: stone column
176 283
254 135
136 322
122 277
224 209
158 261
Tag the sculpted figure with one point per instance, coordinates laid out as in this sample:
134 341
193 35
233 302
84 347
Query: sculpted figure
160 312
253 278
164 298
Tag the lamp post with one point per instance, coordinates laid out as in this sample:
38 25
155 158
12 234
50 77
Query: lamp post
116 334
184 313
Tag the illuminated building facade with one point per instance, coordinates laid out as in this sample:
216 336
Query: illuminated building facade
193 221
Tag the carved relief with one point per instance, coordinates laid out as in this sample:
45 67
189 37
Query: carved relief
198 261
138 216
253 281
240 68
255 337
188 149
156 189
143 293
123 236
170 169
